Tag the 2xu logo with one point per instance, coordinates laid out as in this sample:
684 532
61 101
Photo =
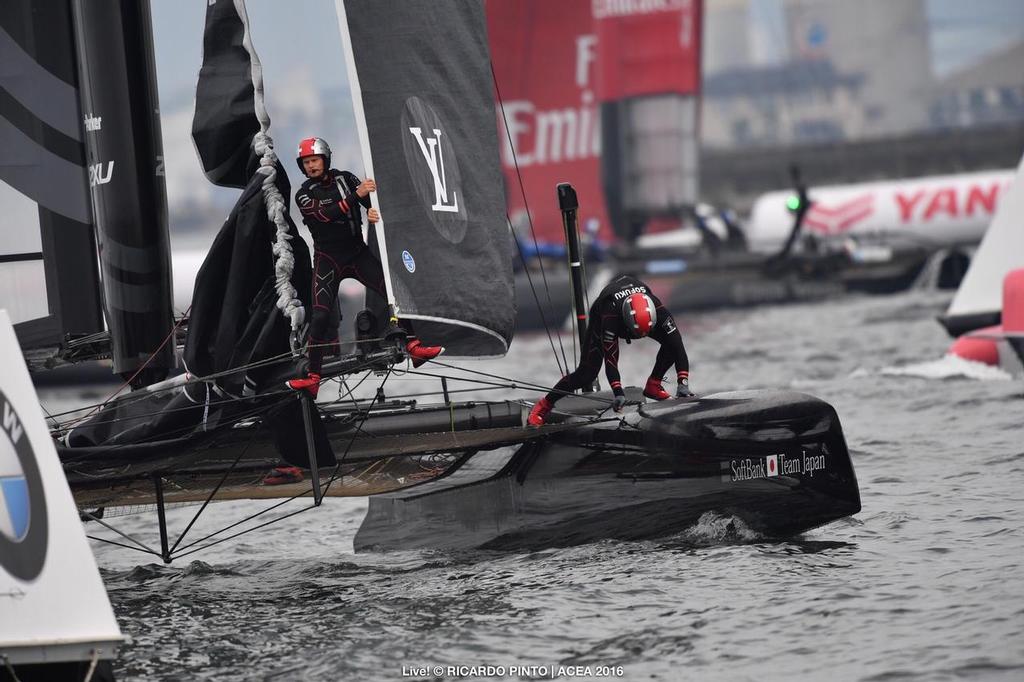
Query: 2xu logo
97 175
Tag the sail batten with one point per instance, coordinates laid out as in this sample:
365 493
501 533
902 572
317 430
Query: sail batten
423 94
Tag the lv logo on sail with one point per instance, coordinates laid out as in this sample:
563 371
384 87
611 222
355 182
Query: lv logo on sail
435 161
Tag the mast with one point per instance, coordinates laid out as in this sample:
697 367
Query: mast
568 204
117 74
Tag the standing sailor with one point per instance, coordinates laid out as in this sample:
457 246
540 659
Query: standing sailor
625 309
331 203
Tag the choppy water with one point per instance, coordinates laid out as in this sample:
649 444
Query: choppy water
925 583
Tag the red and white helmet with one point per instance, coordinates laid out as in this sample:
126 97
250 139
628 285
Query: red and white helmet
313 146
639 314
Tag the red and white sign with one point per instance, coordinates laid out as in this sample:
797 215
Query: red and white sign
944 209
647 47
772 465
554 61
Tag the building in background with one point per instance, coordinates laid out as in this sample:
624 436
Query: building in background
726 35
884 42
989 92
846 71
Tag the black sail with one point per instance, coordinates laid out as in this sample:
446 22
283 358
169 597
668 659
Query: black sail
422 90
49 278
125 154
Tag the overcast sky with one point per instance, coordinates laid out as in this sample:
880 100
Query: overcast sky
302 35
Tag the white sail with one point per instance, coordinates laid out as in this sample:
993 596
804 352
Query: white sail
52 603
1001 251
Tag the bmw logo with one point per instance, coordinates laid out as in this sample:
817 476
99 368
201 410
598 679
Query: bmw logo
23 525
410 262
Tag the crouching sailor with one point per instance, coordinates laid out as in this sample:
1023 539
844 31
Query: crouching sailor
625 309
331 203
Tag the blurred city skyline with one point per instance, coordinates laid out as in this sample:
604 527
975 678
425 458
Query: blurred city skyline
846 94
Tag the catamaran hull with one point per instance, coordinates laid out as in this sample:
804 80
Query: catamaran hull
779 475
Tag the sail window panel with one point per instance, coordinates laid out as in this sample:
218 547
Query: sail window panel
20 233
23 290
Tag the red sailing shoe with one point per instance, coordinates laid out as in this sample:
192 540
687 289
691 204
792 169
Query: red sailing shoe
539 412
420 353
309 383
283 475
654 391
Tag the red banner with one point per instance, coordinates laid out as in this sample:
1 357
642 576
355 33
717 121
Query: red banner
647 47
547 55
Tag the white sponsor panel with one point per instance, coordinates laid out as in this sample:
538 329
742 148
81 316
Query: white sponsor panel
53 606
942 209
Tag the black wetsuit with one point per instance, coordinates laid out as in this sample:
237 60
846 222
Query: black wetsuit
605 330
332 211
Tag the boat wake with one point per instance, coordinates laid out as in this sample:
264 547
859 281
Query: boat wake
713 528
946 367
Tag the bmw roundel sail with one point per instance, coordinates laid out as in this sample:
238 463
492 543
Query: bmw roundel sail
422 90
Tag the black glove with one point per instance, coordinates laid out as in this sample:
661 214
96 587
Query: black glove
619 402
683 390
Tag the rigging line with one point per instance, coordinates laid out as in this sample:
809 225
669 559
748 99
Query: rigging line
260 410
246 519
142 395
351 390
352 440
106 525
213 492
121 544
153 355
540 308
249 530
62 430
355 403
453 391
518 384
275 506
522 191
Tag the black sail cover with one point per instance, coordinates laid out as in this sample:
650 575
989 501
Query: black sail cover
422 91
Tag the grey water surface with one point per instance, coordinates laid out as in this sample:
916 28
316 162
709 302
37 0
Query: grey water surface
925 583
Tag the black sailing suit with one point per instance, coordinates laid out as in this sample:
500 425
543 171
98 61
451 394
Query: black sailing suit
332 211
605 330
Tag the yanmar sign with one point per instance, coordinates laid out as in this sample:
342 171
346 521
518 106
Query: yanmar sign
749 468
908 206
946 209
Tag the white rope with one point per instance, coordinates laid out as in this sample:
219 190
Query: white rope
288 301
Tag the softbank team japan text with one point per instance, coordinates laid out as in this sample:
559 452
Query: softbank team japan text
514 671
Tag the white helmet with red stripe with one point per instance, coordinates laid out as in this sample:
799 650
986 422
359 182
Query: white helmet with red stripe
639 314
314 146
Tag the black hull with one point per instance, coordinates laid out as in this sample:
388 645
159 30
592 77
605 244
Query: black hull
471 475
657 477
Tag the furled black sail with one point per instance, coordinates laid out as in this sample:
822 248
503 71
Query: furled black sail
422 89
49 280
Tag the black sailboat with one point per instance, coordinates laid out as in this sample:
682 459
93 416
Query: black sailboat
454 474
